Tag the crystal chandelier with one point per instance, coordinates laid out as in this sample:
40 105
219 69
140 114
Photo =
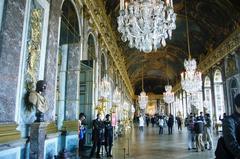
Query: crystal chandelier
191 79
105 87
143 98
168 96
116 96
146 24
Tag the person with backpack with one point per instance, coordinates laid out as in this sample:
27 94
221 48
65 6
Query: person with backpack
189 123
228 146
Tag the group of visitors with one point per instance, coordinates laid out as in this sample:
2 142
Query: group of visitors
160 120
102 134
199 131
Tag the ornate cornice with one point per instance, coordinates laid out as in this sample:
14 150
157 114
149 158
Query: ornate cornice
229 45
97 13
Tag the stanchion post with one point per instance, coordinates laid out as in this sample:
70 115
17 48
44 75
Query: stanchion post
128 148
124 153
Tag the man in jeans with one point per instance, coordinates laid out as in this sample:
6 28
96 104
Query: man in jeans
208 131
198 127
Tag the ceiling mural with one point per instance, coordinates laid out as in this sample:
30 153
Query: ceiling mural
210 22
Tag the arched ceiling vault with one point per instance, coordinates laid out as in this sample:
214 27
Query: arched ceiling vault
210 22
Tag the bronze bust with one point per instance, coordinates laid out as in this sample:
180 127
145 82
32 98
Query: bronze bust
37 99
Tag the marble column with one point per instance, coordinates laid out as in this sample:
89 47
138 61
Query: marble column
73 82
37 140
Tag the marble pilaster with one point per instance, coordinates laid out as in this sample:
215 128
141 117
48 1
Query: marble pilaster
73 75
10 46
51 57
37 140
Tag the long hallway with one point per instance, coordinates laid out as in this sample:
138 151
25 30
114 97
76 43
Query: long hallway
150 145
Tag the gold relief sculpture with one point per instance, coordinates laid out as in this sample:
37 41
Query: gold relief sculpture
231 66
34 47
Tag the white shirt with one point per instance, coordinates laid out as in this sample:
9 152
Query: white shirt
141 121
161 122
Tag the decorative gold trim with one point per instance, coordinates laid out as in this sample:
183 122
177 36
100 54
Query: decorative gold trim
51 128
34 47
71 125
97 12
9 133
151 96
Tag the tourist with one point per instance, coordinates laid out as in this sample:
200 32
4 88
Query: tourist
170 124
141 123
97 135
81 131
208 131
198 127
108 135
161 123
231 127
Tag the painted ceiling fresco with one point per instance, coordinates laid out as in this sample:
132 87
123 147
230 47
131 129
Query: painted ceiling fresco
210 22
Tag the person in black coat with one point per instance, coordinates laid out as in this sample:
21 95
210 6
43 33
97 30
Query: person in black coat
153 121
108 135
170 124
97 135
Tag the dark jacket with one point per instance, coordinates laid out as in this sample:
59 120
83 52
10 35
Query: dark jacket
108 132
198 127
170 121
98 131
108 129
231 134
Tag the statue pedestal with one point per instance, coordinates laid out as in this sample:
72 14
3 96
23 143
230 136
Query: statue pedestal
37 140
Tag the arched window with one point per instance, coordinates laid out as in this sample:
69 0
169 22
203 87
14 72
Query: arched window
208 95
69 24
218 91
91 48
68 46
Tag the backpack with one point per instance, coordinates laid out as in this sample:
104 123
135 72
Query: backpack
221 150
